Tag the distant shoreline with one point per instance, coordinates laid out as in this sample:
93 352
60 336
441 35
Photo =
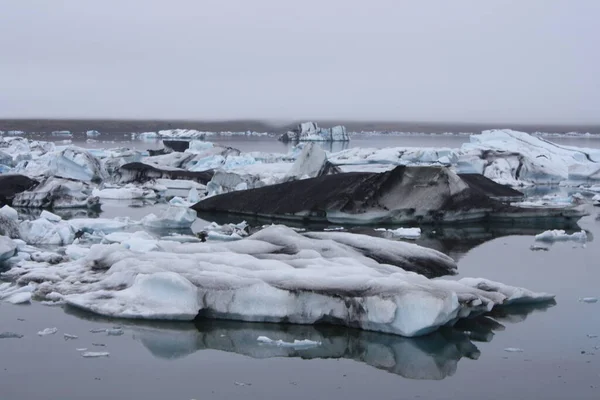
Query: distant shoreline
126 126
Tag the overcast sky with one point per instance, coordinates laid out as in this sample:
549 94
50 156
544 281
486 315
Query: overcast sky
462 60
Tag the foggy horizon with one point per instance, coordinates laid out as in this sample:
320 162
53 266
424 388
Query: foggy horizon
465 62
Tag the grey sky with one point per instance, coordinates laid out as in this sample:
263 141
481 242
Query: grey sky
460 60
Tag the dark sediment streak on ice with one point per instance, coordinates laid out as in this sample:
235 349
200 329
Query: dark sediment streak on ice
428 195
11 185
140 173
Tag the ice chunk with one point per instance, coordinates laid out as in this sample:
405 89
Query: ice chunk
71 163
19 298
406 233
95 354
305 343
172 217
596 200
513 350
99 224
8 248
312 162
559 235
9 213
42 231
589 300
48 331
92 133
69 336
310 131
57 193
50 216
115 332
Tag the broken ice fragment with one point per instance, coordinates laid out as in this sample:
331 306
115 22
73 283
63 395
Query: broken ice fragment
513 350
589 300
114 332
296 343
93 354
48 331
69 337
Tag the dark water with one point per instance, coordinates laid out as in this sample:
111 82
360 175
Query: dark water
222 360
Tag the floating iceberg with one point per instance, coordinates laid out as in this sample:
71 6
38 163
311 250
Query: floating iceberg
54 193
276 275
71 163
92 133
406 233
310 131
430 195
124 193
559 235
172 217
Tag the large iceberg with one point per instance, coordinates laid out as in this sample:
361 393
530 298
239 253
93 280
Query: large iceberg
517 158
423 195
311 162
276 275
71 163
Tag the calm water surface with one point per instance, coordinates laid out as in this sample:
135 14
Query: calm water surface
222 360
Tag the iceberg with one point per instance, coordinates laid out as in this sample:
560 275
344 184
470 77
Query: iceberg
9 213
92 133
310 131
517 158
8 248
406 233
43 231
311 163
559 235
55 193
9 227
275 275
405 195
70 163
173 217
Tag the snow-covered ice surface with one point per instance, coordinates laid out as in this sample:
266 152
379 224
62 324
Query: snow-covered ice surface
273 276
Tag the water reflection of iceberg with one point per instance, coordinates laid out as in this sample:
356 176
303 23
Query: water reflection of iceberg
433 357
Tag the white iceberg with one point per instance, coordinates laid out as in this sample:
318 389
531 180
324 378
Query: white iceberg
172 217
276 275
92 133
43 231
124 193
559 235
406 233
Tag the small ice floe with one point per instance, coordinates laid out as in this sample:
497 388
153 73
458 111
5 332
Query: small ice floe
48 331
513 350
592 335
559 235
596 200
70 337
98 330
589 300
241 384
81 349
115 332
10 335
95 354
296 343
405 233
336 228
